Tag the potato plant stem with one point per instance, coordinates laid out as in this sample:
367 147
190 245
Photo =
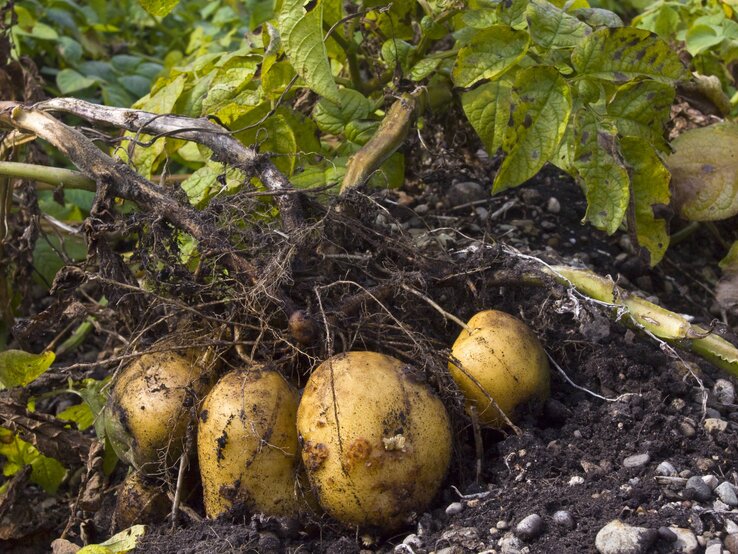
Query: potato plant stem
56 176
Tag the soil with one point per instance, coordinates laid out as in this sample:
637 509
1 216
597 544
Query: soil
617 393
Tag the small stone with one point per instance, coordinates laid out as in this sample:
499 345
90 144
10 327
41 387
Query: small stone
530 527
686 542
467 537
720 506
731 543
482 213
422 209
636 460
502 525
666 469
564 519
726 493
454 508
465 192
715 548
731 527
269 543
687 429
620 538
697 489
724 391
510 544
711 481
413 541
553 205
451 550
667 535
576 480
715 425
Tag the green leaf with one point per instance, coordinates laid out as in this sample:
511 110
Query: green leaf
601 173
50 255
159 8
123 542
625 53
487 108
424 68
391 174
231 77
331 117
69 81
641 109
302 37
540 113
489 54
663 21
730 261
397 52
211 180
512 12
18 368
46 472
551 27
597 17
702 37
80 414
321 174
649 180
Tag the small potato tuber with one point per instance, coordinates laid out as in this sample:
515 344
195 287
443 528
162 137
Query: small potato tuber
247 444
376 442
140 500
149 408
506 360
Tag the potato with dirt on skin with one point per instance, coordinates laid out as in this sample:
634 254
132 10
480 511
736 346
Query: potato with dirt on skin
150 407
140 500
376 442
506 359
247 444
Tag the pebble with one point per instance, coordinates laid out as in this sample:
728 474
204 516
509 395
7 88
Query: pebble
530 527
667 535
510 544
714 424
726 493
686 542
451 550
636 460
715 548
731 527
711 481
576 480
465 192
553 205
687 429
502 525
724 391
564 519
731 543
467 537
422 209
666 469
697 489
454 508
620 538
413 541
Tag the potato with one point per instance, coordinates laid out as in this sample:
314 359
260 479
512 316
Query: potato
148 410
506 359
140 501
247 444
376 443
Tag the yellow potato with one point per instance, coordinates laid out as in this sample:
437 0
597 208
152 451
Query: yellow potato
504 356
376 442
140 501
247 444
148 410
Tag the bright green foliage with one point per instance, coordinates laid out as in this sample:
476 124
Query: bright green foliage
490 53
45 472
488 109
159 7
18 368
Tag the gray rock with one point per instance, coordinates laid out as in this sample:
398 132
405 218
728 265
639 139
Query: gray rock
715 548
510 544
666 469
715 425
726 493
731 527
731 543
697 489
711 481
620 538
465 192
468 537
553 205
454 508
413 541
687 429
422 209
667 535
530 527
686 542
636 460
451 550
502 525
564 519
724 391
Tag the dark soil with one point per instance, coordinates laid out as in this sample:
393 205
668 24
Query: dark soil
571 457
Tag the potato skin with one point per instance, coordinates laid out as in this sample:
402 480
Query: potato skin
140 501
247 444
376 443
507 360
148 410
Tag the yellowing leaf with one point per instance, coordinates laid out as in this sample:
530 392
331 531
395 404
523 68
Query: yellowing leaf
551 27
649 181
540 114
123 542
625 53
487 108
490 53
641 109
302 38
601 173
158 8
46 472
18 368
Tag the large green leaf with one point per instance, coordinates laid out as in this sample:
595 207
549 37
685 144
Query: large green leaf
18 368
46 472
489 54
332 118
231 77
158 8
302 38
649 180
600 170
540 113
487 108
551 27
69 81
641 109
625 53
